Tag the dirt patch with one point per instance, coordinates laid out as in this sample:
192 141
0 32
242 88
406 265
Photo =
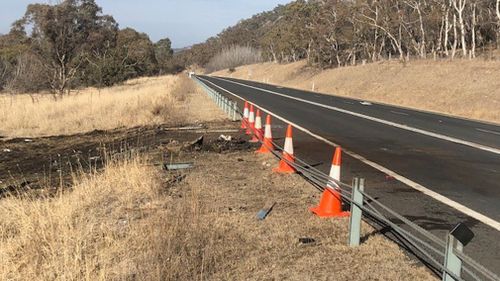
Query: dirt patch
51 161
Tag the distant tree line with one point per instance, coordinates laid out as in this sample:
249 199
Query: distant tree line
73 44
234 56
330 33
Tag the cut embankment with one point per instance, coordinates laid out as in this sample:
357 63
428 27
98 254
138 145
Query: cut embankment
469 89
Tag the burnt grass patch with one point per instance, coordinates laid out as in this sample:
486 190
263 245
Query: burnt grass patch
49 163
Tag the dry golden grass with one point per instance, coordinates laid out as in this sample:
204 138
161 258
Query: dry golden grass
126 224
469 89
144 101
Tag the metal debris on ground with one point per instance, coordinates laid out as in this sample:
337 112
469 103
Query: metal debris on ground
306 241
263 213
6 150
175 179
198 141
225 138
365 103
227 131
178 166
196 144
191 128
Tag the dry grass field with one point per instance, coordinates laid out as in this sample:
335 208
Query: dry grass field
143 101
130 223
464 88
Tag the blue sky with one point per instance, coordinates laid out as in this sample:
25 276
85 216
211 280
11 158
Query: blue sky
184 21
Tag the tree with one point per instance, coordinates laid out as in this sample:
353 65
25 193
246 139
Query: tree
62 35
164 55
498 22
459 6
136 52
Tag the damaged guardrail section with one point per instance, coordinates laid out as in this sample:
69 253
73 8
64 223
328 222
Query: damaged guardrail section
444 257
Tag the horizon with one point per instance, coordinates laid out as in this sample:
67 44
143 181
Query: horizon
173 19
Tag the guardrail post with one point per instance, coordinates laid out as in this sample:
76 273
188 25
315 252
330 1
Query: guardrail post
235 109
452 263
226 111
458 237
358 186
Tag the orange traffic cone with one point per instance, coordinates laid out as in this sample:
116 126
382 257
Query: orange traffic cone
330 204
257 136
244 121
251 121
267 145
287 157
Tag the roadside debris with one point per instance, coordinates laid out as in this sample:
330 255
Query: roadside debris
175 146
175 179
178 166
365 103
303 241
227 131
263 213
190 128
6 150
225 138
195 144
28 140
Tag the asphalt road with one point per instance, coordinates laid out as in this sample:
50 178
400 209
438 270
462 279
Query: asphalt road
455 162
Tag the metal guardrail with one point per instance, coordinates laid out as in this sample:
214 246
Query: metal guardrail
446 258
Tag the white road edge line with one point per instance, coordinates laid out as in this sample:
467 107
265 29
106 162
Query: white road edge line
443 199
393 124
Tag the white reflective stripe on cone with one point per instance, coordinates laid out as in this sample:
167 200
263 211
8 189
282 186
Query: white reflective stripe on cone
251 117
289 146
268 133
258 123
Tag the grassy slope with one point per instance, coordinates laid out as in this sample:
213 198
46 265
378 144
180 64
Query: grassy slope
465 88
143 101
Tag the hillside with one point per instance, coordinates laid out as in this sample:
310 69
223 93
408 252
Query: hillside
469 89
340 33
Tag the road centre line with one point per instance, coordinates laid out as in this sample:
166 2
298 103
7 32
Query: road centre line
400 113
488 131
441 198
393 124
